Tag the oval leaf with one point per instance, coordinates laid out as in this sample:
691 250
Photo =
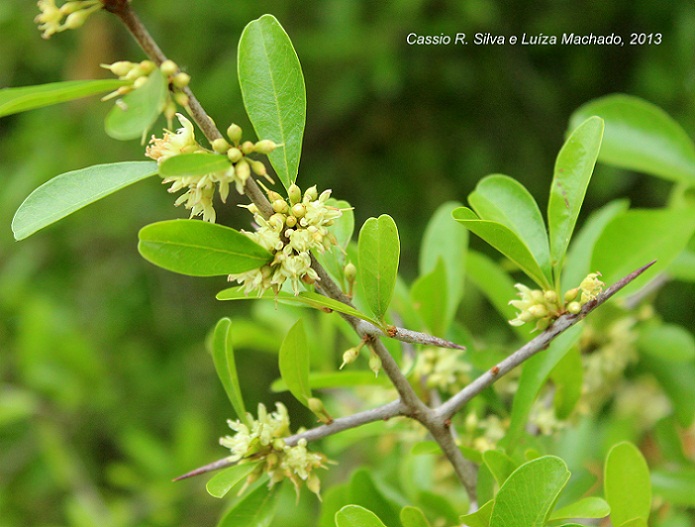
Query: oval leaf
379 252
137 111
530 493
69 192
272 86
198 248
221 483
626 482
500 465
641 136
16 100
573 168
294 362
225 366
479 518
505 241
639 236
257 509
193 165
585 508
356 516
413 517
504 200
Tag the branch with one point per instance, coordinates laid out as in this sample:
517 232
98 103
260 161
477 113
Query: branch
453 405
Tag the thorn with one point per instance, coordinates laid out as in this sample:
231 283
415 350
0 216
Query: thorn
215 465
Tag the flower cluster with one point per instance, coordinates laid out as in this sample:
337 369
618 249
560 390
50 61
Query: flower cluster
443 369
200 189
262 441
482 434
545 306
295 229
137 74
75 13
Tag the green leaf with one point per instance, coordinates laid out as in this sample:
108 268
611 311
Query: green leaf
69 192
533 377
641 136
675 486
294 362
379 251
667 341
307 298
567 377
635 522
198 248
637 237
137 111
16 100
479 518
626 483
500 465
225 366
356 516
429 297
578 261
585 508
336 379
413 517
222 482
504 200
530 493
256 509
365 492
197 164
505 241
445 239
573 168
272 86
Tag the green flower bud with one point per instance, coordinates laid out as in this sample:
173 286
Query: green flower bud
181 98
120 68
234 155
247 147
311 194
571 294
280 205
234 133
316 406
574 307
168 68
294 193
291 221
258 168
538 311
147 67
76 19
220 145
265 147
243 170
375 363
350 356
298 210
550 296
350 272
139 82
181 80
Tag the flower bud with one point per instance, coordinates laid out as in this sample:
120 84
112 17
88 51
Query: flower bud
169 68
265 147
247 147
316 406
280 205
550 296
181 98
294 193
76 19
139 82
147 67
181 80
298 210
375 363
258 168
243 170
234 133
350 356
234 155
538 311
220 145
574 307
311 194
350 272
120 68
291 221
571 294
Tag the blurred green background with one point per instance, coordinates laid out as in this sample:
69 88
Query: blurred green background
106 389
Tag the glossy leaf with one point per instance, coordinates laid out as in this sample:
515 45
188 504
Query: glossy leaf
225 366
24 98
272 86
533 377
578 261
479 518
446 239
193 164
69 192
638 237
626 483
294 362
256 509
591 507
379 252
667 341
221 483
341 379
307 298
505 241
530 493
504 200
356 516
198 248
641 136
573 169
500 465
429 297
137 111
413 517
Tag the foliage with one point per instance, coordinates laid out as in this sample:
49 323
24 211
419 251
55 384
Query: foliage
623 374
